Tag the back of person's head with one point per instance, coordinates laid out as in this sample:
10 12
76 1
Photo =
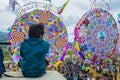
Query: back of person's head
105 75
90 74
99 77
109 72
36 30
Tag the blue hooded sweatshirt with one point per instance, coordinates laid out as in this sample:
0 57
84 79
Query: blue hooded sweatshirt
1 61
33 52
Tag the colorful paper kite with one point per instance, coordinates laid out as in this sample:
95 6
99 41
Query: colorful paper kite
96 33
55 34
118 43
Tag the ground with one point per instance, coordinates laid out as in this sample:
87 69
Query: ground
50 75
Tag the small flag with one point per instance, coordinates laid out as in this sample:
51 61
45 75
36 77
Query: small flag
12 4
63 7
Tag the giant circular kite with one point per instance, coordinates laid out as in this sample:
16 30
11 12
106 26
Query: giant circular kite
96 34
55 33
119 33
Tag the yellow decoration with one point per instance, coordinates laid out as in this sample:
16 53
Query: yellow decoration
98 14
77 46
13 50
57 63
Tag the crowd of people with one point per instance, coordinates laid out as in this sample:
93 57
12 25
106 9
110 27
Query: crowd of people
81 70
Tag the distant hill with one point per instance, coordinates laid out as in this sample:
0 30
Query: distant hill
3 37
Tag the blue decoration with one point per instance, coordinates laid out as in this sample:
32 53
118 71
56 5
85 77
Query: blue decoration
82 55
84 48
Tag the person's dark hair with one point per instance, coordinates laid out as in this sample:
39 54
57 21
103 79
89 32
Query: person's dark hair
105 75
36 30
98 77
90 74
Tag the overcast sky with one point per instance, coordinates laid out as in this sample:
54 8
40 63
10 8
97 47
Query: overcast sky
71 15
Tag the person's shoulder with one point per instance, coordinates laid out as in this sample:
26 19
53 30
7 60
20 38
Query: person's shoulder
22 43
46 43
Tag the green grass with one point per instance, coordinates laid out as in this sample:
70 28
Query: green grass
6 53
70 52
